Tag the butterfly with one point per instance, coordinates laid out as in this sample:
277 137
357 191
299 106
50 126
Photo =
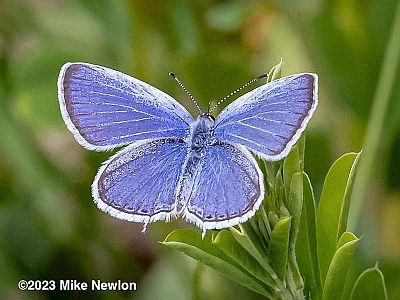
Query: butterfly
201 169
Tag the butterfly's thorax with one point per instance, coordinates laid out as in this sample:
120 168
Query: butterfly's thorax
201 136
201 133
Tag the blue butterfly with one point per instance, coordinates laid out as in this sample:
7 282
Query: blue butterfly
200 169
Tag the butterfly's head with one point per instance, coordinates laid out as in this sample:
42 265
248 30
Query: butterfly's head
207 115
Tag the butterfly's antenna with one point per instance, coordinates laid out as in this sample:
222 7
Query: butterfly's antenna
238 90
186 91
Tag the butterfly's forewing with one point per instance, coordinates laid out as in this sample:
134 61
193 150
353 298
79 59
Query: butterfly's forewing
139 183
270 119
229 188
105 109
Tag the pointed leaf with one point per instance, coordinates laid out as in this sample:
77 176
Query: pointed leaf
279 246
279 189
270 172
250 241
345 238
291 165
264 216
301 143
295 205
370 285
227 243
333 208
258 253
306 245
276 72
261 226
256 236
190 243
344 214
338 269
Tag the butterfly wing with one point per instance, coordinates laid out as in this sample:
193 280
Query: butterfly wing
139 183
228 190
105 109
270 119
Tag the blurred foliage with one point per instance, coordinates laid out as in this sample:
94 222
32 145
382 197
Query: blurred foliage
49 226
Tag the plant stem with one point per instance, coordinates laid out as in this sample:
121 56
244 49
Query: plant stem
376 123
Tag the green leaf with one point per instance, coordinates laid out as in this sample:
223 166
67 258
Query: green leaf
369 285
333 207
227 243
262 227
345 238
253 230
291 165
338 269
344 214
306 245
279 246
295 203
262 213
190 243
301 144
246 238
270 173
279 189
276 72
253 249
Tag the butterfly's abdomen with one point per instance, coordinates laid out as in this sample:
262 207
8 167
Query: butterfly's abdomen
201 136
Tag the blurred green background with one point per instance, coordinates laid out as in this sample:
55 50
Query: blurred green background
49 225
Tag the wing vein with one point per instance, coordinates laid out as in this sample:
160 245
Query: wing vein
102 112
135 134
265 119
257 128
117 122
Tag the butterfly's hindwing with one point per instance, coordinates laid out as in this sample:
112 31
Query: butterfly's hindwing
105 109
139 183
227 190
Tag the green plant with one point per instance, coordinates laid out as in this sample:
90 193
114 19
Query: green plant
290 249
